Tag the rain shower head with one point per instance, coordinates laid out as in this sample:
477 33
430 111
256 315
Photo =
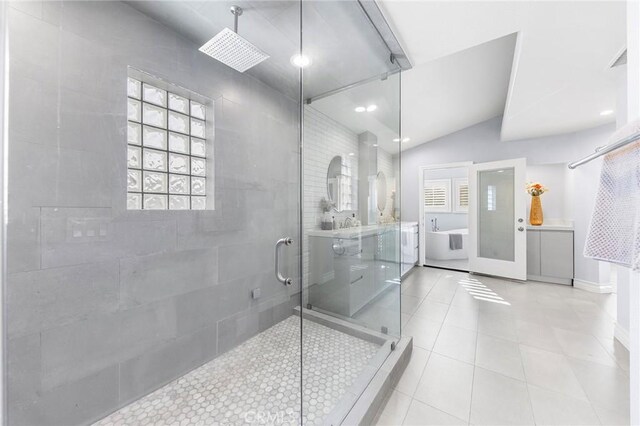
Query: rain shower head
231 49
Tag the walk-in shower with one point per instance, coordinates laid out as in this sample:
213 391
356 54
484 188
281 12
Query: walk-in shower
190 242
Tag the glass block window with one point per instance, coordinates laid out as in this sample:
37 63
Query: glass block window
166 149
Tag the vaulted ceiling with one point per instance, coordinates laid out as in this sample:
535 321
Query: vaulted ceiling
543 65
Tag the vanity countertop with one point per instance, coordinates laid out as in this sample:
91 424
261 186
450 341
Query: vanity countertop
353 232
558 225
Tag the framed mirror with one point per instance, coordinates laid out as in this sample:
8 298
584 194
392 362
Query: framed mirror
339 184
381 191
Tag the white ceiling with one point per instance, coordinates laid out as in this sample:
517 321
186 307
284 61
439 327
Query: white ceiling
559 82
544 65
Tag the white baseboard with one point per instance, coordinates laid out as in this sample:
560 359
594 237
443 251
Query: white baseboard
622 335
593 287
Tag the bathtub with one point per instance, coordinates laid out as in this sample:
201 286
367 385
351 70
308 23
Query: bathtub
437 245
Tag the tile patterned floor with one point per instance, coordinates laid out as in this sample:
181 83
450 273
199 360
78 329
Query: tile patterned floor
259 381
495 352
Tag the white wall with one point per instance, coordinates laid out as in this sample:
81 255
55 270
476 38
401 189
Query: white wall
555 203
481 143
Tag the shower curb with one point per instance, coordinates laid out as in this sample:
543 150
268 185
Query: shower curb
366 408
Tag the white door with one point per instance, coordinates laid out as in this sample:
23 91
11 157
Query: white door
497 225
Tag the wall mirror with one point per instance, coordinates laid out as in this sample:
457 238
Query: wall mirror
381 191
339 188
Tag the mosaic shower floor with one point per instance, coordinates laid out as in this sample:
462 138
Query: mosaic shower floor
258 382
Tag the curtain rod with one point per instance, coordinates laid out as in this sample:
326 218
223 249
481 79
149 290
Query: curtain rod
605 149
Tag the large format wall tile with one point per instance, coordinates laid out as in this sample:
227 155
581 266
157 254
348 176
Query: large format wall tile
148 278
44 299
108 304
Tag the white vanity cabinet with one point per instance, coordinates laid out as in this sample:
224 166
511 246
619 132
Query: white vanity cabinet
550 254
409 243
351 267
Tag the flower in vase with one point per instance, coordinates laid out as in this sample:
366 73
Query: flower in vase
536 188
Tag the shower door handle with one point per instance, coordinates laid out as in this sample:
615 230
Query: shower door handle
287 242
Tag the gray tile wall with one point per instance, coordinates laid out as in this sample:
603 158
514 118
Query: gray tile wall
98 321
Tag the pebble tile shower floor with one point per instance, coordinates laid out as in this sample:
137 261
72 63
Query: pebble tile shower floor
261 377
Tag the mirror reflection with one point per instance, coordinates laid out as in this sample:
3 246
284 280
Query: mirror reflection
381 191
339 184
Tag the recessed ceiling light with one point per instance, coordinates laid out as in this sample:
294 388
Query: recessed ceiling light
300 61
406 140
607 112
360 109
372 108
351 154
375 144
396 140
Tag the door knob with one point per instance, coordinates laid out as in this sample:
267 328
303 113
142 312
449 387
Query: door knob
520 228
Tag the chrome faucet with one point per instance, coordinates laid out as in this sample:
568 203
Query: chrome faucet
434 225
348 222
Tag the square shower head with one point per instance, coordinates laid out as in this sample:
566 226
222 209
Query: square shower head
232 50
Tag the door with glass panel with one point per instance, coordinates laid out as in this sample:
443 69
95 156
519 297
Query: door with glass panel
497 226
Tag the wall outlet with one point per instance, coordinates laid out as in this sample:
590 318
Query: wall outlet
255 293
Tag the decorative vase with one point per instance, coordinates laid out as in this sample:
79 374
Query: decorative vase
535 215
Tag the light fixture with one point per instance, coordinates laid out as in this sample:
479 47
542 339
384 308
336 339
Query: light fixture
406 140
351 154
360 109
375 145
372 108
607 112
300 61
396 140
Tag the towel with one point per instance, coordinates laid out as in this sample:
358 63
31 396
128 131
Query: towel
614 234
455 241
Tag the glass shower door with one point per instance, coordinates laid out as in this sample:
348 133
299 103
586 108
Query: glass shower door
351 220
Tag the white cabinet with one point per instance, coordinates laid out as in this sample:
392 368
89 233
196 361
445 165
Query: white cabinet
550 255
350 268
409 242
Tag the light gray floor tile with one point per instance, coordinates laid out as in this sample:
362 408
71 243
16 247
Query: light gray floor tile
537 336
409 304
550 371
583 346
420 414
411 376
433 311
607 387
611 417
556 338
496 325
424 332
499 400
462 317
456 343
499 355
552 408
446 385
